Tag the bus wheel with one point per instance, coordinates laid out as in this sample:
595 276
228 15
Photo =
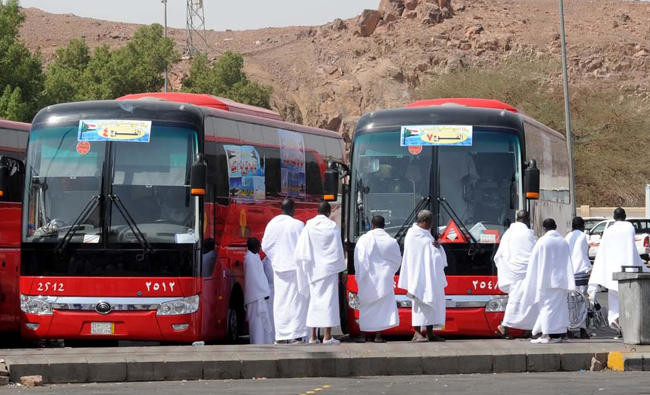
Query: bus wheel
234 326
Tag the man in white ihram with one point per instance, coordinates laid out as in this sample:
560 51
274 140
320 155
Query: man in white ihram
511 261
423 277
616 249
320 259
376 260
289 306
257 296
577 240
549 279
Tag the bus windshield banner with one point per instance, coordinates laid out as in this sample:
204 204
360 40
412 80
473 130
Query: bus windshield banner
418 135
114 130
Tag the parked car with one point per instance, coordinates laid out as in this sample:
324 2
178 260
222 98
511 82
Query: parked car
590 222
642 237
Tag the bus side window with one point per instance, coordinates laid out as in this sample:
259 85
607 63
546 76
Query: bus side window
217 173
15 175
272 171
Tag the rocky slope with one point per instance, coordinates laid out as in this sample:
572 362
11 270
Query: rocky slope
329 75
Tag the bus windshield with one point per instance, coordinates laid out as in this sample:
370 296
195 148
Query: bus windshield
66 177
480 182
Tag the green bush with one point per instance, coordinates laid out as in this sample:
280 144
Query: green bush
226 78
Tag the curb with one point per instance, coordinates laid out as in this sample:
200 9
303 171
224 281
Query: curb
622 361
246 362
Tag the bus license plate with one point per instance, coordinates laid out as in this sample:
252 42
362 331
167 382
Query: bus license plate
102 328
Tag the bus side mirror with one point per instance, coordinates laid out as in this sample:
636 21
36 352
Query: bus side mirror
531 180
198 176
331 184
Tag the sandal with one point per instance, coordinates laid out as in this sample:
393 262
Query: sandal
503 332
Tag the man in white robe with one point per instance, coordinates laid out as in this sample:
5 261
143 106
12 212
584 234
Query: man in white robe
376 260
511 261
616 249
549 279
423 277
579 247
257 296
320 259
279 245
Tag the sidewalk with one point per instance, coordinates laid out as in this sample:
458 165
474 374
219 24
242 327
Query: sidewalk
80 365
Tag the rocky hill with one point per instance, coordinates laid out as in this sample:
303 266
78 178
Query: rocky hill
329 75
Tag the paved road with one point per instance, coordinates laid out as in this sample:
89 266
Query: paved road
520 383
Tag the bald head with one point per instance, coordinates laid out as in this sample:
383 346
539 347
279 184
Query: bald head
523 217
325 209
619 214
425 219
288 207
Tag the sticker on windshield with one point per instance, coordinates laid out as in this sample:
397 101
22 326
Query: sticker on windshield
418 135
83 147
114 130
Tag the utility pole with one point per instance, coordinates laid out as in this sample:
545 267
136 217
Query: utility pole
567 114
165 6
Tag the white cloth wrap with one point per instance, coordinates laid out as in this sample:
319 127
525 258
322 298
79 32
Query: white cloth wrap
289 307
616 249
379 315
376 260
553 313
513 255
423 273
319 257
579 247
323 311
319 252
279 242
549 270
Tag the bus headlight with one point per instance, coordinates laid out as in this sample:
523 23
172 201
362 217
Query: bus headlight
353 301
180 306
35 305
497 304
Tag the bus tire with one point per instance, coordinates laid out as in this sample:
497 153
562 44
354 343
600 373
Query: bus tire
236 316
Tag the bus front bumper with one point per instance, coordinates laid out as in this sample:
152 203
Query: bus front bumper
128 321
472 317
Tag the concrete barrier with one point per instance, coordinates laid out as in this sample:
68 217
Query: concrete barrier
66 365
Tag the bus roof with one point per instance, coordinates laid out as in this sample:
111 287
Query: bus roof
394 119
6 124
464 101
163 110
205 100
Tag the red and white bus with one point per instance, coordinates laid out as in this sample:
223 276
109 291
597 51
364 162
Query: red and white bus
465 160
13 142
137 213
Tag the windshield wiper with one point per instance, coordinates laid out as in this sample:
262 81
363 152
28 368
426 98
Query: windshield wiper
83 215
401 232
474 245
144 243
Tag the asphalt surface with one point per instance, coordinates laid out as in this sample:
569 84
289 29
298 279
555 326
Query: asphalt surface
511 383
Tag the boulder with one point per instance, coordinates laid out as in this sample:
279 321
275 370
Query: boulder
391 7
429 14
411 4
367 22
